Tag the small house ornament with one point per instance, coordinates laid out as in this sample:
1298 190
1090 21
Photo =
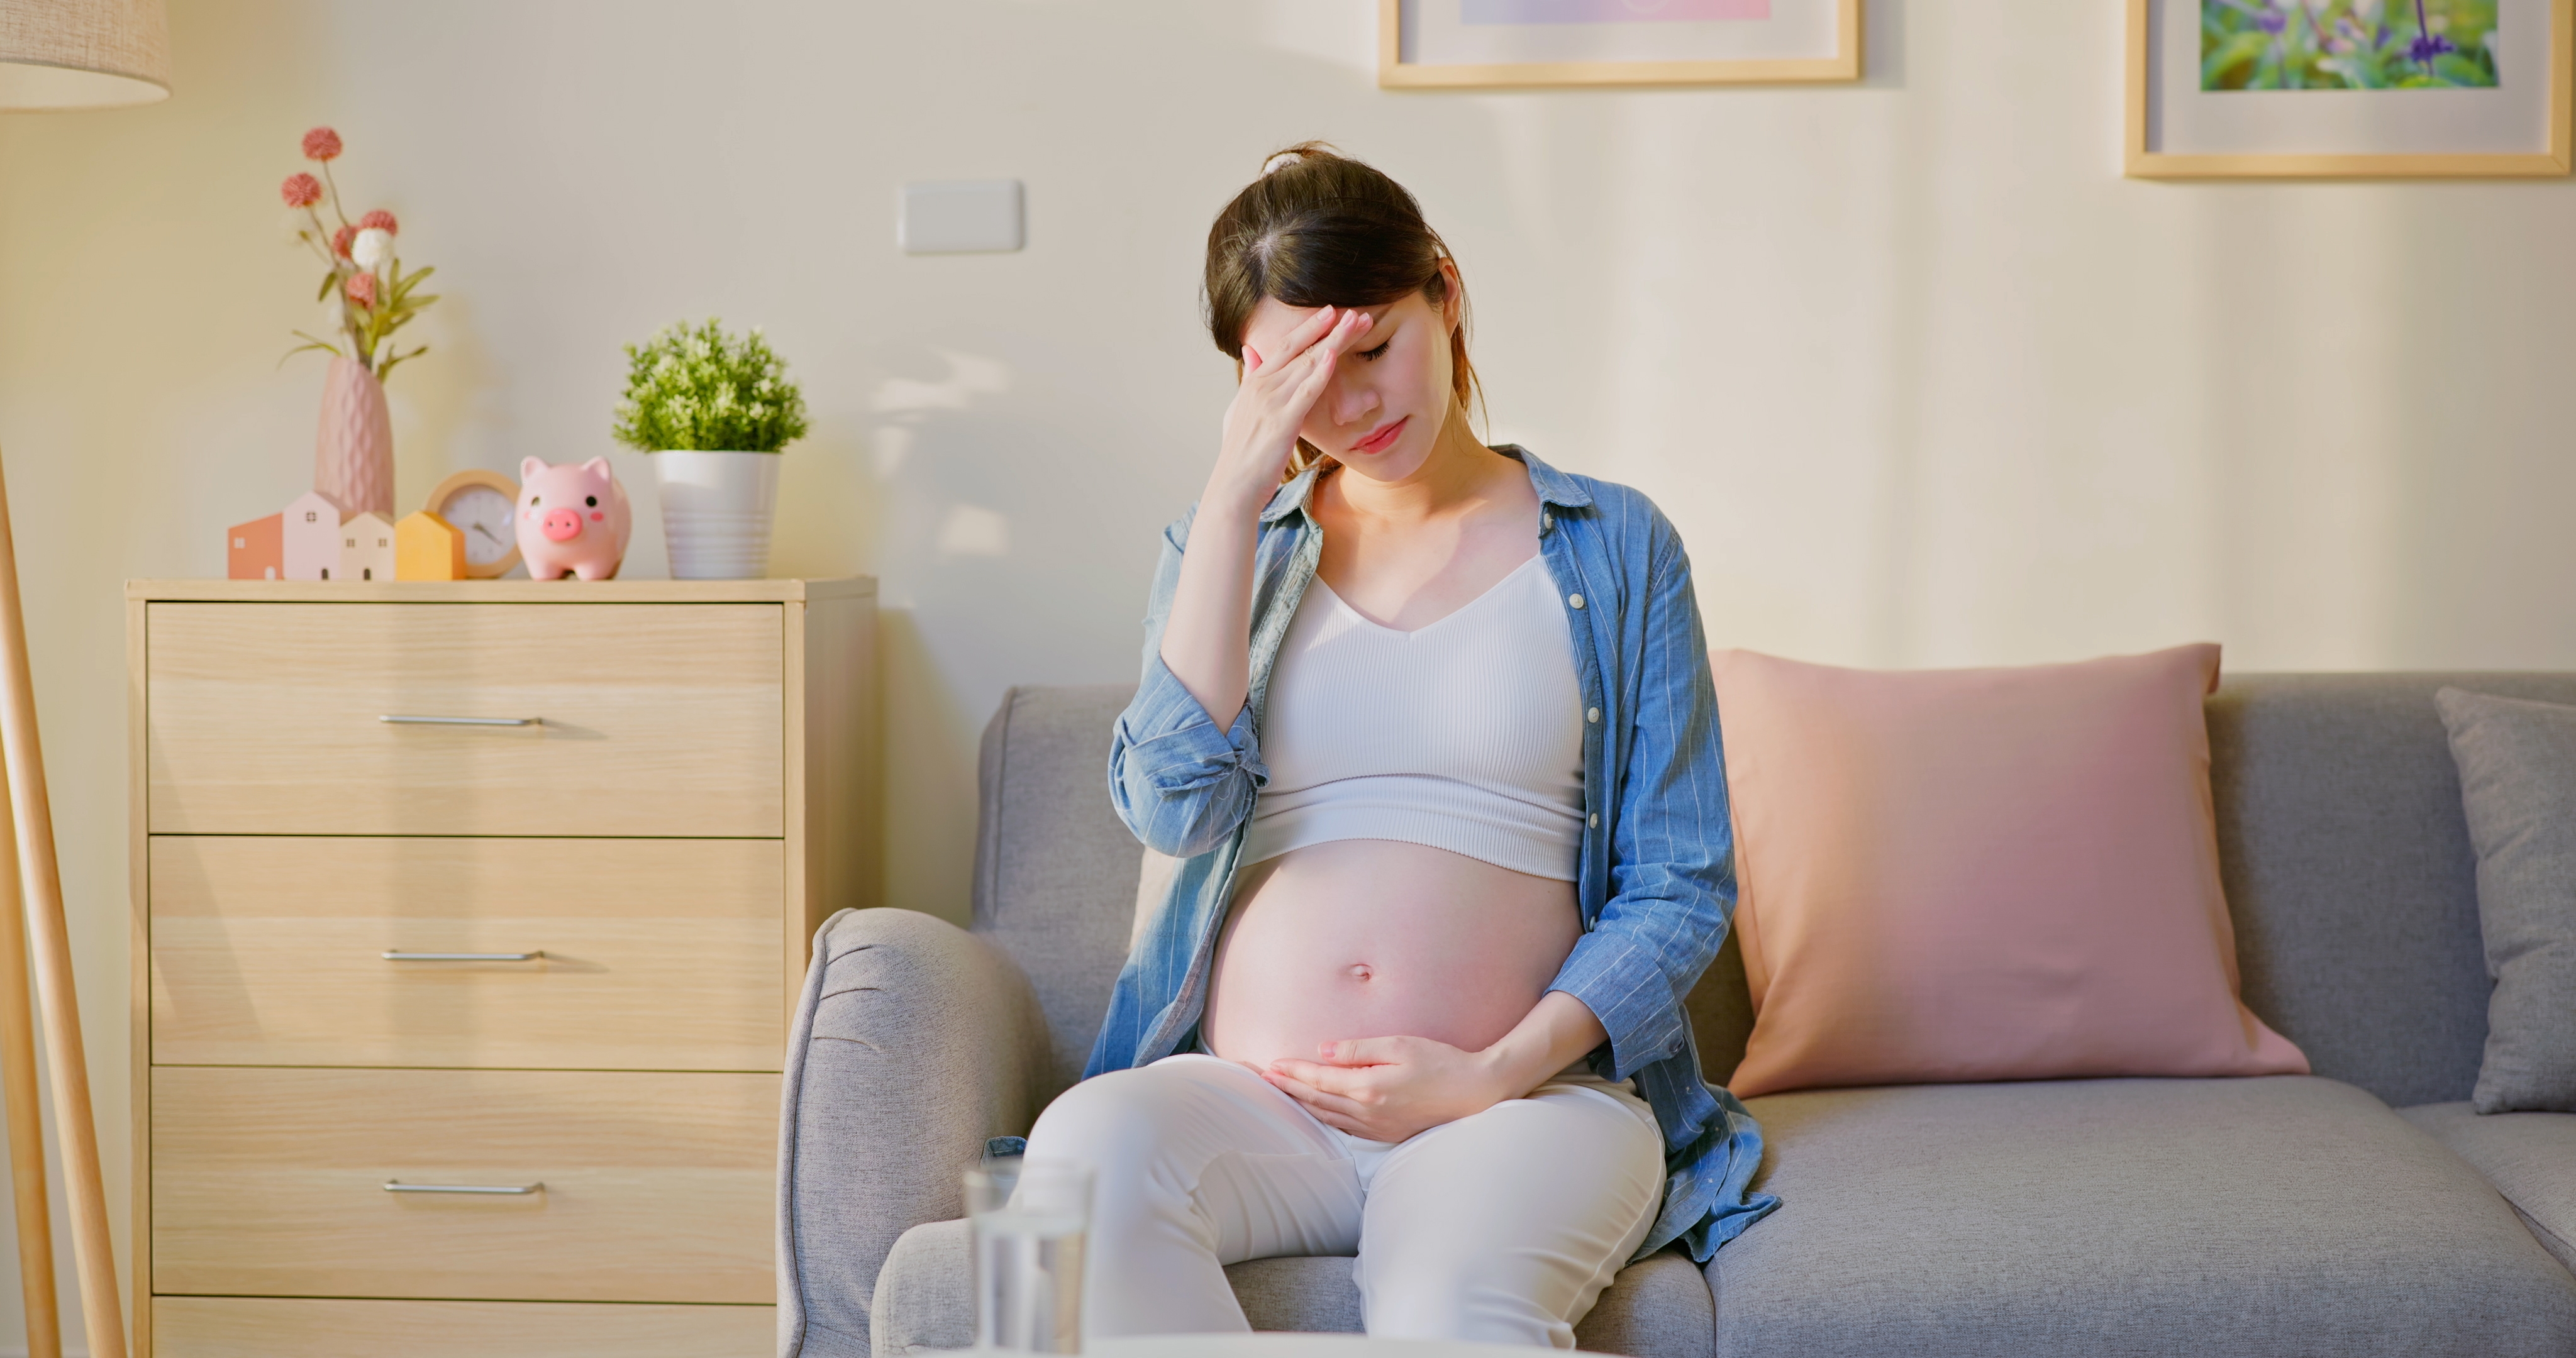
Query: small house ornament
427 547
310 537
253 550
366 547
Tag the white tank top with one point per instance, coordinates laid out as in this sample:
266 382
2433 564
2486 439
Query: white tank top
1465 735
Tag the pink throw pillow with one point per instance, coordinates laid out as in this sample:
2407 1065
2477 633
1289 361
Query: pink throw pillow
2000 874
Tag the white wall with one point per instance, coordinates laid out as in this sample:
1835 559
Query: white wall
1920 377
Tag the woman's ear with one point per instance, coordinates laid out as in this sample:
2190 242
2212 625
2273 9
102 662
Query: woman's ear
1453 295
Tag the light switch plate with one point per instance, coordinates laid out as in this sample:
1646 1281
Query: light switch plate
959 216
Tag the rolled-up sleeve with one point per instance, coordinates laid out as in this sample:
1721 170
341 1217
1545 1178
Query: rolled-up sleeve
1672 868
1180 782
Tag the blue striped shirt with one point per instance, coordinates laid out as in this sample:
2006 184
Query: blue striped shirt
1655 876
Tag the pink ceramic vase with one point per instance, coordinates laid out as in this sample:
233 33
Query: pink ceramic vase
353 454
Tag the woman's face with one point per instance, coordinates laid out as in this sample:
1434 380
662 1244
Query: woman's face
1389 395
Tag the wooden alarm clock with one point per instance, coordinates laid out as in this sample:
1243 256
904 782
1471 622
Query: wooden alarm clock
482 505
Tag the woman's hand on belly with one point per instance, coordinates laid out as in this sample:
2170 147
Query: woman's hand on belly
1392 1088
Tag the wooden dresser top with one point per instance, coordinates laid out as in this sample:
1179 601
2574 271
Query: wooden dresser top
499 591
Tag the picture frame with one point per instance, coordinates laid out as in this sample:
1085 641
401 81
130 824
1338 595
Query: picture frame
2199 122
1488 44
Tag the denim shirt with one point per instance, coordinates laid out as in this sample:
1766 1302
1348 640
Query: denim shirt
1656 871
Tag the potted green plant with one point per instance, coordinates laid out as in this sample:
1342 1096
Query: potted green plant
713 410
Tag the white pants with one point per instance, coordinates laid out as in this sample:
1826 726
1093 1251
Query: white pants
1501 1227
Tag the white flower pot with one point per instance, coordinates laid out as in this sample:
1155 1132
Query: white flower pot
716 509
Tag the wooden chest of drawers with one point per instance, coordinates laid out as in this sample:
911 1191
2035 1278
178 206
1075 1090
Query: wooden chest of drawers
469 917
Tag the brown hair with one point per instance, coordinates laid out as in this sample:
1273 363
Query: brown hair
1321 229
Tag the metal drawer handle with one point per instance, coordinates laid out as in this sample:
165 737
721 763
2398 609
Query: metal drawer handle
392 956
509 1190
399 720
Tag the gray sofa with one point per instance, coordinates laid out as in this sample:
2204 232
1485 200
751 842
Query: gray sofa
2361 1210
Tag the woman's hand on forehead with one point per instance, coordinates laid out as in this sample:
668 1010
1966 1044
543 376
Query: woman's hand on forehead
1321 325
1311 326
1279 387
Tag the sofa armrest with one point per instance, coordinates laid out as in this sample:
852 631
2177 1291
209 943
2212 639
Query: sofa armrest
913 1043
926 1292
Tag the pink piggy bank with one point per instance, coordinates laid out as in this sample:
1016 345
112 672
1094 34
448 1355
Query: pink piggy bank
572 520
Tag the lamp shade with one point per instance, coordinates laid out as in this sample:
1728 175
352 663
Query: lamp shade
83 53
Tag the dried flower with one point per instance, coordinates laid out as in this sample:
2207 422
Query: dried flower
367 296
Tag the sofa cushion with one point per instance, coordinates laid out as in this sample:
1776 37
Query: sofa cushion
2349 872
2518 783
1656 1308
2348 875
2529 1157
2272 1215
1658 1305
1982 874
1055 873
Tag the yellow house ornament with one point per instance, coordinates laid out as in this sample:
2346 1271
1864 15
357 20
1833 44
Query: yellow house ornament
427 547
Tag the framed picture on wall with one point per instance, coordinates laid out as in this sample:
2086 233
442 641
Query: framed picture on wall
1459 44
2349 88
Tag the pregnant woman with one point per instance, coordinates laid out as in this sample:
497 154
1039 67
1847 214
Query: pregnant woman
1430 726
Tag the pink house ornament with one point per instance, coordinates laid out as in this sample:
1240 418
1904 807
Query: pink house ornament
310 543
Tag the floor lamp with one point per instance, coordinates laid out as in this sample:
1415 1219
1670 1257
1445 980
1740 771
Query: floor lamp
55 54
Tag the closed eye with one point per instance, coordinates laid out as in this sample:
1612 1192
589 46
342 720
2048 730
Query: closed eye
1372 355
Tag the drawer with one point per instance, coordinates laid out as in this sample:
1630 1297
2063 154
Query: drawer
658 954
649 719
299 1327
657 1186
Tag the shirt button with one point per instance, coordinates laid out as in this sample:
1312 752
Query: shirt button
1595 821
1546 522
1574 600
1592 714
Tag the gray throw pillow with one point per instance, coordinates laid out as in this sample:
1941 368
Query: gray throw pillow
2518 784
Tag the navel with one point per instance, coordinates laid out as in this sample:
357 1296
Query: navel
1361 971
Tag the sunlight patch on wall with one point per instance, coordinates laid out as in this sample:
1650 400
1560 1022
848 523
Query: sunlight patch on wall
968 377
893 443
971 530
1342 32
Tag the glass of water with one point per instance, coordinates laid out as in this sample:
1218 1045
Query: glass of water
1029 1218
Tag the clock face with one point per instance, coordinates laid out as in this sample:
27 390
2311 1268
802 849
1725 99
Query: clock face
482 514
480 504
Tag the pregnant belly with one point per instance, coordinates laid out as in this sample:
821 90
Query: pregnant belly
1373 938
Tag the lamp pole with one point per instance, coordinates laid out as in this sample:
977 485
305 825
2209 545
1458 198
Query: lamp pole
40 897
56 54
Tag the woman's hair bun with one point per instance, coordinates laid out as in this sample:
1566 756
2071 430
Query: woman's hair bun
1296 155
